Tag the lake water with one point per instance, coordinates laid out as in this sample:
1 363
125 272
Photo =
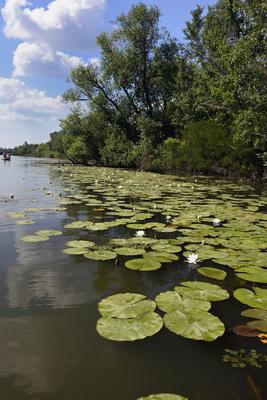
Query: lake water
50 349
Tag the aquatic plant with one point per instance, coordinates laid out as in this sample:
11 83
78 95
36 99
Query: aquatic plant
242 358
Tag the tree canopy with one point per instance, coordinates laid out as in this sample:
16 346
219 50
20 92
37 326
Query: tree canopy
151 102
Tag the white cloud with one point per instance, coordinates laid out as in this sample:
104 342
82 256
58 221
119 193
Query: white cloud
49 34
39 59
20 103
63 24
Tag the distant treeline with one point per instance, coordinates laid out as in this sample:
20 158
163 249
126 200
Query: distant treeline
48 150
154 103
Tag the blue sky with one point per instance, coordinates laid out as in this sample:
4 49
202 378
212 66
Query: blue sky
40 41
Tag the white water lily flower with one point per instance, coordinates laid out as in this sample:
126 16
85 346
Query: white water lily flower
199 216
193 258
140 233
168 218
216 222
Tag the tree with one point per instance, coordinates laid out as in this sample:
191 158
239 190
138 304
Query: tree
228 50
134 78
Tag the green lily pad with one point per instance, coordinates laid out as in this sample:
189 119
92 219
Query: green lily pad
125 305
194 324
255 313
34 238
76 225
82 244
48 232
261 325
129 329
214 273
170 301
202 291
162 257
15 215
168 248
128 251
100 255
163 396
75 251
255 300
252 274
142 264
26 222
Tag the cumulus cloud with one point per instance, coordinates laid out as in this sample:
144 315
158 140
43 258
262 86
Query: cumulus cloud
20 103
34 59
49 34
63 24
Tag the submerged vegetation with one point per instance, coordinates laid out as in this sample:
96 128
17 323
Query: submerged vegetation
153 103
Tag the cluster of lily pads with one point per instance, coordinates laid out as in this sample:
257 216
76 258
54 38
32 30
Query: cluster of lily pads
166 219
130 316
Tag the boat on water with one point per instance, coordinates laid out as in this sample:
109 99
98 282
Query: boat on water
6 157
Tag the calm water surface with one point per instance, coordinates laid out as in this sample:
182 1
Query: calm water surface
48 311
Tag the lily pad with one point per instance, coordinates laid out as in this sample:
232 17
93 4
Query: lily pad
48 232
34 238
202 291
15 215
100 255
258 324
255 300
163 396
142 264
162 257
26 222
128 251
170 301
255 313
214 273
194 324
130 329
125 305
82 244
75 251
168 248
252 274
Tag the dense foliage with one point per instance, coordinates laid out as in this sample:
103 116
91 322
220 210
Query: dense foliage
153 103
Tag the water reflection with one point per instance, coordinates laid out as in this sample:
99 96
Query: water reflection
38 350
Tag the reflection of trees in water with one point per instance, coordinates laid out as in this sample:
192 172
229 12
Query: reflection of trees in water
53 279
38 350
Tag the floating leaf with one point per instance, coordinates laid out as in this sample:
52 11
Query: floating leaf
75 251
128 251
194 324
26 222
163 396
100 255
252 274
82 244
258 324
166 248
202 291
130 329
255 313
162 257
34 238
171 301
15 215
125 305
142 264
256 300
214 273
48 232
245 330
